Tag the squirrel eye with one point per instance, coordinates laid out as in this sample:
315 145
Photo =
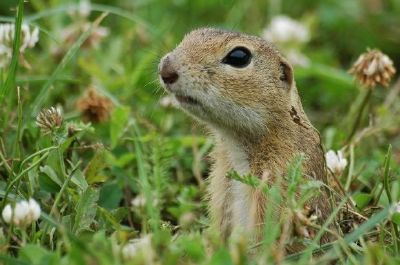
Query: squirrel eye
239 57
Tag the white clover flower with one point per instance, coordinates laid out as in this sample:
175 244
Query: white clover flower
28 38
137 246
139 201
7 213
6 36
23 214
34 38
81 23
7 31
283 29
71 33
335 161
34 210
129 250
289 35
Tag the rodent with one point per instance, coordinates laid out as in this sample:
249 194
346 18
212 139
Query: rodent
243 89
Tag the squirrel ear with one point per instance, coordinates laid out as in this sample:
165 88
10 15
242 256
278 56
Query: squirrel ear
286 73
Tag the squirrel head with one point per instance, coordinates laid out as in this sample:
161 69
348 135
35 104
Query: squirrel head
230 80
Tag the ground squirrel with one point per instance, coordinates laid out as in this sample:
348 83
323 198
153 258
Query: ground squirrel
244 90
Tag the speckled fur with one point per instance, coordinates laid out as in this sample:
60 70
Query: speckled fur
256 118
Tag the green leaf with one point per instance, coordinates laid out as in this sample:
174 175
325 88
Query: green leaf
48 180
67 143
79 179
119 119
51 174
37 255
124 160
95 166
362 199
54 162
221 257
249 180
192 248
108 217
396 218
66 221
110 195
86 210
47 184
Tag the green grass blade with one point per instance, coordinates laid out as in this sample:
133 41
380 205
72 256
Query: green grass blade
147 189
386 174
18 140
15 55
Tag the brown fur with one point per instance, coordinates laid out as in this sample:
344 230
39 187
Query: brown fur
254 112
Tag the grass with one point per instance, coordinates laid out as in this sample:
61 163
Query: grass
140 171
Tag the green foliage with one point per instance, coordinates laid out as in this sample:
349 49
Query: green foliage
139 171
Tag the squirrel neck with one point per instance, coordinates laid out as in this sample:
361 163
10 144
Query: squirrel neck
283 138
285 126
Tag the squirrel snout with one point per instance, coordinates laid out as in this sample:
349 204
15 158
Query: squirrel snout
167 72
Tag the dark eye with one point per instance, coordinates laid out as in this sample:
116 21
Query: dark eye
239 57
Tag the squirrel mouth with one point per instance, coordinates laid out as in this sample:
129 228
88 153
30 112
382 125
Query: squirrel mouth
187 100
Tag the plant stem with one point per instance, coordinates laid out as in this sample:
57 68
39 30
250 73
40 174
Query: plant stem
17 143
357 121
5 163
351 169
44 150
386 174
64 186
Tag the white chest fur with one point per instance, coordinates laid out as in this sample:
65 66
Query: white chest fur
241 193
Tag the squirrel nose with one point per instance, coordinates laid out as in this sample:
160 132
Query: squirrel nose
167 72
